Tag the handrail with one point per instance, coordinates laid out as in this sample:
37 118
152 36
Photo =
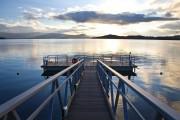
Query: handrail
123 60
12 104
105 76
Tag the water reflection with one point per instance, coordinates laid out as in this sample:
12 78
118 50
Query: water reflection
153 57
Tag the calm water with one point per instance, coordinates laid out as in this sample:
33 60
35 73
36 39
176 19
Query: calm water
153 57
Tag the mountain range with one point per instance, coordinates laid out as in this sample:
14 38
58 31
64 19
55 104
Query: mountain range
39 35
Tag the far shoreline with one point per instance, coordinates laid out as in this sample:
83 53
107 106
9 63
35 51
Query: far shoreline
130 37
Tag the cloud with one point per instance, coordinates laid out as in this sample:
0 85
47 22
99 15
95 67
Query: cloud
175 8
159 1
33 13
158 32
25 26
122 18
15 28
171 26
37 13
166 6
168 14
87 7
32 26
93 20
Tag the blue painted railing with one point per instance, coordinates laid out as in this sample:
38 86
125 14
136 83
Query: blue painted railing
64 91
113 91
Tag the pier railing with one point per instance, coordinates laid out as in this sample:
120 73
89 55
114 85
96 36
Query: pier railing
64 91
113 91
110 59
56 59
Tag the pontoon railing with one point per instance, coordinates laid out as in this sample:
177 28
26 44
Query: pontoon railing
122 60
113 91
68 86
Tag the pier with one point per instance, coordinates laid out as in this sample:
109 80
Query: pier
89 102
88 91
124 64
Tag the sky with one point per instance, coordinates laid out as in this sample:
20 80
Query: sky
91 17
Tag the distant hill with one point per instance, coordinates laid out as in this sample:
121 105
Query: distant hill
176 37
18 35
38 35
59 36
2 38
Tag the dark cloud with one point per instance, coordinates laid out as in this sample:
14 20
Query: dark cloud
168 14
151 13
122 18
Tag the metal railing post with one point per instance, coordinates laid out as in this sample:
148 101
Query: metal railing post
65 96
71 85
60 101
124 103
50 116
107 85
11 105
130 59
163 111
117 95
112 92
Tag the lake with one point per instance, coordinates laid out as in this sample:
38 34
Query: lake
24 56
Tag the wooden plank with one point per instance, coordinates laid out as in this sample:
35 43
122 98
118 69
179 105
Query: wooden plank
89 102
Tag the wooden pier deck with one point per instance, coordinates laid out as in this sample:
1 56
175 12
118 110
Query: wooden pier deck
89 102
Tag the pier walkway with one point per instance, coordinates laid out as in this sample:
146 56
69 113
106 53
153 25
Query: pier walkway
89 101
